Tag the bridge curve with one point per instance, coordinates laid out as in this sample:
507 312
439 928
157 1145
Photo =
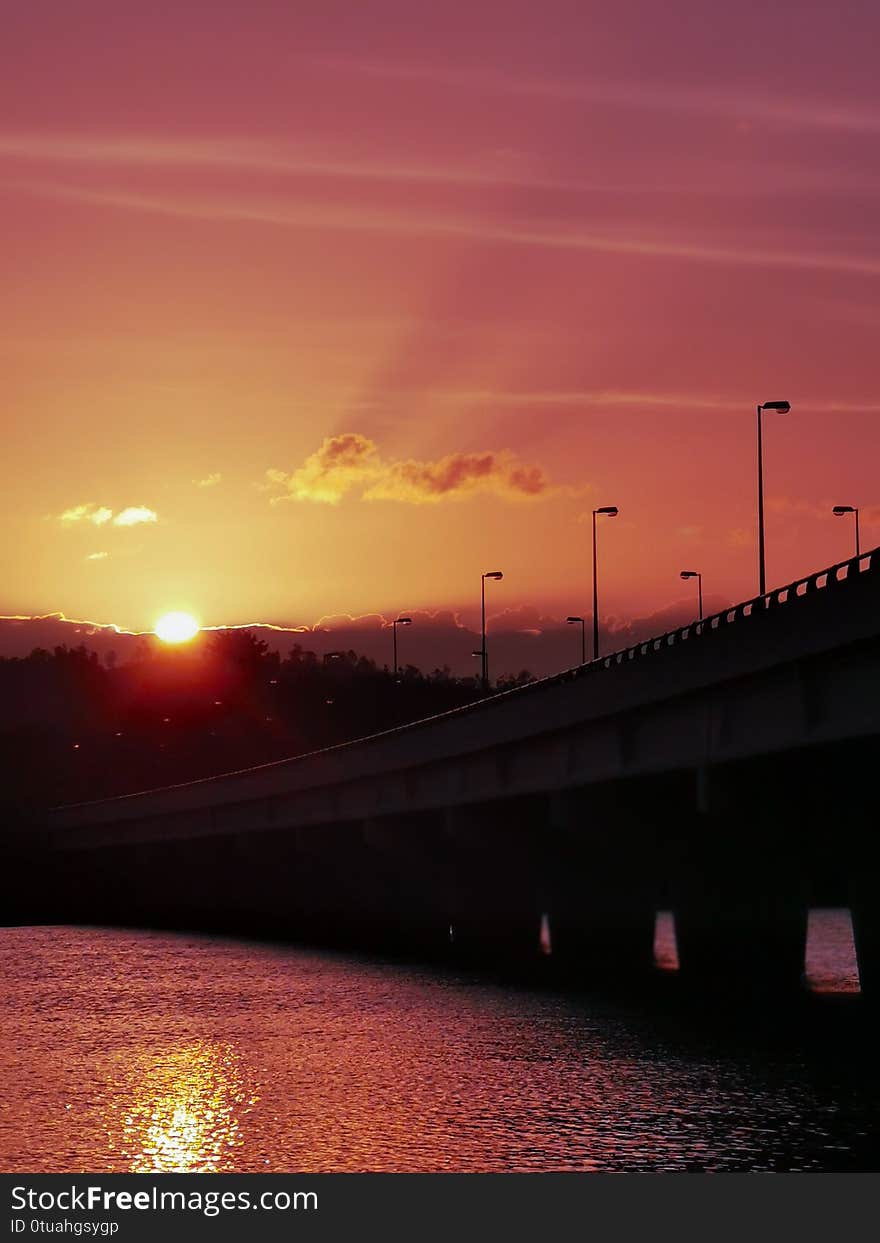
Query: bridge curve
558 793
824 612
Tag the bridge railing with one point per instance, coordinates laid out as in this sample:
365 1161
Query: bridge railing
821 580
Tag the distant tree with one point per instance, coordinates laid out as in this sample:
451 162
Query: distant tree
241 647
299 658
75 727
509 681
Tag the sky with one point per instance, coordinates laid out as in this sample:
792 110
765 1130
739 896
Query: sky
314 310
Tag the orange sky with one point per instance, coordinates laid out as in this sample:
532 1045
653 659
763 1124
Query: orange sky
503 261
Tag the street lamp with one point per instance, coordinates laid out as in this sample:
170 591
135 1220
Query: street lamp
839 511
400 621
611 511
781 407
698 576
574 621
484 655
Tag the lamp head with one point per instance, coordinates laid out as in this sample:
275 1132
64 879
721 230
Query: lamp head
840 510
781 407
573 621
403 621
477 652
690 573
494 574
610 510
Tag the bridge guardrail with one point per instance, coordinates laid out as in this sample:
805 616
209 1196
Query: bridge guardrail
819 581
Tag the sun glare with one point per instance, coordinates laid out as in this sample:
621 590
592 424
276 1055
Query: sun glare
177 627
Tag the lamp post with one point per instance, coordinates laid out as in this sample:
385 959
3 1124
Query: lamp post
484 655
399 621
781 407
699 577
574 621
839 511
611 511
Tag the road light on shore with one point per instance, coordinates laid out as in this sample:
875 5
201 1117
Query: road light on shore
610 511
839 511
780 407
699 577
399 621
579 621
496 575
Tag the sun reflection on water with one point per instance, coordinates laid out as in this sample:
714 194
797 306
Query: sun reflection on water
134 1052
185 1108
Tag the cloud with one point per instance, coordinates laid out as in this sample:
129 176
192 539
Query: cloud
459 475
344 218
97 556
598 401
343 462
737 105
796 507
133 515
101 514
74 514
254 156
209 481
98 514
351 461
350 621
601 399
521 638
502 168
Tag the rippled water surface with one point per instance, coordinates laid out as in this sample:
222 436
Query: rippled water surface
151 1052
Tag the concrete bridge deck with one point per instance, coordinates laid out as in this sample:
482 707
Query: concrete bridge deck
717 768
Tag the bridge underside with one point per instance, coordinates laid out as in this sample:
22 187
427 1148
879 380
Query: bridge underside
739 853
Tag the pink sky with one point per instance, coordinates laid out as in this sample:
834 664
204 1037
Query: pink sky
527 258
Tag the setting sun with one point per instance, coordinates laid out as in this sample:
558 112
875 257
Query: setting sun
176 627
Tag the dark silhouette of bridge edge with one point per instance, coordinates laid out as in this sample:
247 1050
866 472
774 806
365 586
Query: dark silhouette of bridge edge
726 769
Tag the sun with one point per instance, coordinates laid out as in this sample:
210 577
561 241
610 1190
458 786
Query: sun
177 627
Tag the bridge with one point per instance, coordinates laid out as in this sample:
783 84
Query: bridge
727 770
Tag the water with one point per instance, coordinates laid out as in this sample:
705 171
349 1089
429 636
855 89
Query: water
152 1052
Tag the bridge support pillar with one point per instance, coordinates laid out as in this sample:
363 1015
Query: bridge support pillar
741 898
864 898
866 934
343 893
494 914
411 851
600 885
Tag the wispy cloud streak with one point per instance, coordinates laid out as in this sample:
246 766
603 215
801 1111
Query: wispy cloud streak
332 216
263 157
737 105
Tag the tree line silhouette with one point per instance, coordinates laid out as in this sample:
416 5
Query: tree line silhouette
74 728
